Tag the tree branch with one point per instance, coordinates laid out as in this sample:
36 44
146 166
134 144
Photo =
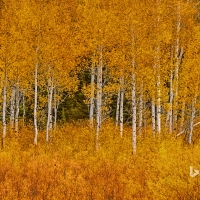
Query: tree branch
185 129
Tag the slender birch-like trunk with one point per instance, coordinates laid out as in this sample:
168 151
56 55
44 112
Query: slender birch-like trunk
140 109
117 108
92 94
157 70
51 100
153 115
171 95
175 107
4 108
177 63
49 117
158 110
169 119
121 112
193 112
101 83
191 121
158 85
55 110
99 98
145 118
182 116
23 108
134 105
17 110
35 105
170 104
36 89
134 110
98 113
12 108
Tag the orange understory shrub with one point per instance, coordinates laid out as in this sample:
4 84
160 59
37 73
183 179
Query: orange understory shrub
69 167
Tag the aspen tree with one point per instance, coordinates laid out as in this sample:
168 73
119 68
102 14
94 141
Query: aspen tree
35 102
157 69
17 110
170 105
12 107
169 119
121 110
117 108
189 73
153 115
55 110
140 123
9 52
158 110
92 91
182 116
176 71
99 96
4 107
120 59
49 114
191 121
30 21
37 45
145 117
150 57
51 35
134 106
193 82
23 108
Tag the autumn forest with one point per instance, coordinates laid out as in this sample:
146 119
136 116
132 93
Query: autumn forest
100 99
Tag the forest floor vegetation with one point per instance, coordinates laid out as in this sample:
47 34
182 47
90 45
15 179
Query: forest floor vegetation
69 166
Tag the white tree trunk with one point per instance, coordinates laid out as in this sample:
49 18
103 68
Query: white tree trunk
153 116
17 110
171 94
134 110
182 116
12 108
49 117
170 104
35 105
134 106
176 73
145 118
169 118
99 98
101 85
121 114
92 94
98 113
158 85
23 108
55 110
117 108
157 70
4 109
158 110
140 109
191 121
